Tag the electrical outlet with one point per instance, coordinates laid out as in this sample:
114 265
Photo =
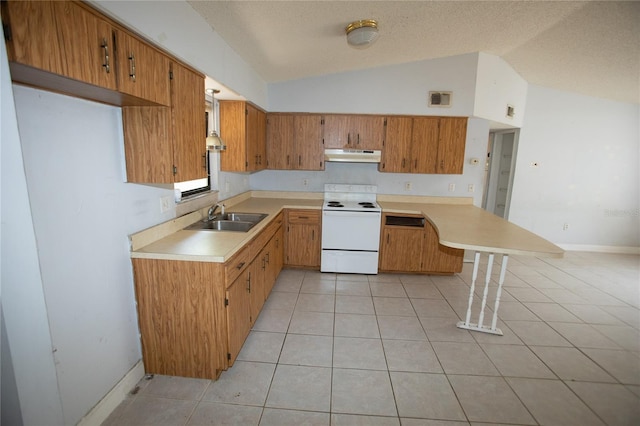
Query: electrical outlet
165 204
408 186
471 188
565 226
452 187
226 186
305 182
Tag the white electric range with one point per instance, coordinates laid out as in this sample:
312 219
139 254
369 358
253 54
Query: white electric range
350 229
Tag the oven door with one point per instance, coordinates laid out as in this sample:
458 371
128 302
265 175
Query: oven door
349 230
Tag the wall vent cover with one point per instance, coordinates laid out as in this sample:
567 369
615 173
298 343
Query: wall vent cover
511 111
440 99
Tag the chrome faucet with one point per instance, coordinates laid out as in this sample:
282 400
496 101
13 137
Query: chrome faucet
212 210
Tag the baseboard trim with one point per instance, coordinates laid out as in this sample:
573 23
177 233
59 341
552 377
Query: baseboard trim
600 249
116 395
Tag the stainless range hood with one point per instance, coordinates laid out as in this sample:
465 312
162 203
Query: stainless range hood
352 155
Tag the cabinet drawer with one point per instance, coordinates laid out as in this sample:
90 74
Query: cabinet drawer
263 238
238 263
304 217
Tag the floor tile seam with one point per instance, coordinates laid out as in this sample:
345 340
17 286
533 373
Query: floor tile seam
193 410
602 366
453 389
549 323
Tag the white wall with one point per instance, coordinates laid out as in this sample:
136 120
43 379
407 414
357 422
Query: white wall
176 27
394 89
588 154
23 302
498 85
82 213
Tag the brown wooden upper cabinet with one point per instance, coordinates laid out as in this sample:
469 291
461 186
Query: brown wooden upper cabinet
167 144
143 71
189 127
70 48
427 145
243 129
294 142
353 131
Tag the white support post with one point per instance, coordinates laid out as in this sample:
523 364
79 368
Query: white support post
467 325
503 271
487 280
474 276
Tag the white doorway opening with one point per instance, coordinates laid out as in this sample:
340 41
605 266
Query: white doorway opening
500 167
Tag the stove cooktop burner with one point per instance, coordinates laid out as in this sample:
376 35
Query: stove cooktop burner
367 205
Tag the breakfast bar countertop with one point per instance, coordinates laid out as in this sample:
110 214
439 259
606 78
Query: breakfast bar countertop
468 227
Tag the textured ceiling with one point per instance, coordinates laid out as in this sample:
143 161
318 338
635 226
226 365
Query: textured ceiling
591 48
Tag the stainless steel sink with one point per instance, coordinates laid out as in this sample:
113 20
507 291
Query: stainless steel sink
233 222
242 217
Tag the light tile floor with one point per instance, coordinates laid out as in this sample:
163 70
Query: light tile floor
384 350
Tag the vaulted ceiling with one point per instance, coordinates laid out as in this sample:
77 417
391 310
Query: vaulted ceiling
586 47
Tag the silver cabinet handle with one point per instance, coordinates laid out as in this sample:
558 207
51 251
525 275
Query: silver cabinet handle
132 67
106 64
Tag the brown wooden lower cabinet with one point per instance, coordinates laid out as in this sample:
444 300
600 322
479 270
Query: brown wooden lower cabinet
195 316
302 239
238 307
409 243
181 313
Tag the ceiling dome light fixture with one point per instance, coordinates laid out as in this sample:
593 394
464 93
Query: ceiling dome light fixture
360 34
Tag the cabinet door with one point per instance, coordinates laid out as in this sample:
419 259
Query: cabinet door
143 72
280 131
86 43
303 247
238 314
396 151
257 278
336 131
366 131
275 259
424 144
451 144
256 132
307 146
401 249
439 258
148 144
34 36
189 141
233 130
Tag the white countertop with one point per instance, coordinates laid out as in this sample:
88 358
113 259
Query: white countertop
459 225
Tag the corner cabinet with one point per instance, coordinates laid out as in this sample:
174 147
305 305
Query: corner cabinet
168 144
429 145
302 238
409 243
243 128
295 142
